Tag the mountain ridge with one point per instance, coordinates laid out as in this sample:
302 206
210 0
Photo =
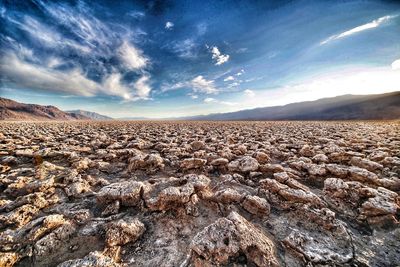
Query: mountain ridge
90 114
16 111
344 107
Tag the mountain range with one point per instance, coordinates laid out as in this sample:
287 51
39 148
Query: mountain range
15 111
90 114
346 107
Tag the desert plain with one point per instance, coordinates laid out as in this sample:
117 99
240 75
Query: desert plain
173 193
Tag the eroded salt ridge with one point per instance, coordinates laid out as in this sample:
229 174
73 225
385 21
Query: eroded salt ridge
200 194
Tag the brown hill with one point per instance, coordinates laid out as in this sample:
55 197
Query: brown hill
15 111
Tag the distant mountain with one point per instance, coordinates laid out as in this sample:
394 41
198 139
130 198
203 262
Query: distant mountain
346 107
12 110
89 114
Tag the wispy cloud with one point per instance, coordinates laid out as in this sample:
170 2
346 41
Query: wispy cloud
19 73
46 35
132 57
142 87
185 49
249 93
210 100
240 73
202 85
199 85
373 24
229 78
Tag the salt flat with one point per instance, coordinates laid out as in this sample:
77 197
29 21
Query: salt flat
199 193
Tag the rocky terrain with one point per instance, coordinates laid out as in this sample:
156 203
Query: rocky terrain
199 193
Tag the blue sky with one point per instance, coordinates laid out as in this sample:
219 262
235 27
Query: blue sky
177 58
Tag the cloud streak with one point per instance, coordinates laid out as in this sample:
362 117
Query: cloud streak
22 74
210 100
373 24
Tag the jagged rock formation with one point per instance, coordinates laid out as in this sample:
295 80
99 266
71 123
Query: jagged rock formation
199 194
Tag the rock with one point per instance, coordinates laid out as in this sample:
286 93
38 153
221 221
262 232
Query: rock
363 175
124 231
290 195
127 192
193 163
219 162
306 151
256 205
228 195
230 236
8 259
318 251
337 170
53 241
244 164
197 145
111 209
320 158
170 197
271 168
199 182
366 164
94 259
261 157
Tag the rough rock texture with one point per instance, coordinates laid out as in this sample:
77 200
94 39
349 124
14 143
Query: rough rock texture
199 194
230 236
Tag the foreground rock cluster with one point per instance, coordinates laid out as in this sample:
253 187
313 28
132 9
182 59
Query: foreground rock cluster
199 194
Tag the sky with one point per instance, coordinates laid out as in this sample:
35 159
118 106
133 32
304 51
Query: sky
159 59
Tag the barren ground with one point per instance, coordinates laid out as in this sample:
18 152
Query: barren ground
199 194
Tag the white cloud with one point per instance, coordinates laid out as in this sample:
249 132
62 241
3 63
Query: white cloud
22 74
184 49
80 21
136 14
240 72
218 57
54 62
113 86
229 78
396 65
47 36
169 25
142 87
132 57
194 96
209 100
201 85
249 93
367 26
37 77
234 84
